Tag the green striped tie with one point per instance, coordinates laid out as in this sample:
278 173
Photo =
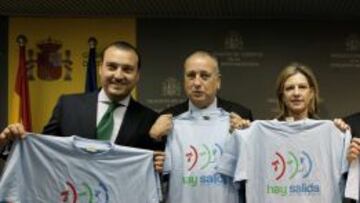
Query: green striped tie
105 127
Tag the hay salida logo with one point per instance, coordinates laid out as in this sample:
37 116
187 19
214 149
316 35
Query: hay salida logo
291 174
84 192
200 159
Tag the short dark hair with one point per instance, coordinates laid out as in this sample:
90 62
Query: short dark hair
122 45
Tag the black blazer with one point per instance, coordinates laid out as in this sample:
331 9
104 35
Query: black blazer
354 122
226 105
76 115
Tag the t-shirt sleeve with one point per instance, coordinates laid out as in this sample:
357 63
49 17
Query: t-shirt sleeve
352 183
168 153
346 143
10 180
227 163
232 162
242 164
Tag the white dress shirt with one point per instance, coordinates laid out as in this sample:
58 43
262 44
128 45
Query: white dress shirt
205 112
102 106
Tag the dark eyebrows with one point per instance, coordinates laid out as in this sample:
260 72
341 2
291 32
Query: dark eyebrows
115 65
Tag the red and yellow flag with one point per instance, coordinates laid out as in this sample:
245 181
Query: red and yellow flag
21 100
71 56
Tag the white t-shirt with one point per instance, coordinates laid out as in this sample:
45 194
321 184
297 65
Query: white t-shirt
46 169
295 162
192 150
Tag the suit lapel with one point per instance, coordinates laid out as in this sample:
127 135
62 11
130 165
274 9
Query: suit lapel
221 103
179 109
129 124
89 113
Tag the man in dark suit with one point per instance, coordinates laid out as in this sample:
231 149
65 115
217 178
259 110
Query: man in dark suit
80 114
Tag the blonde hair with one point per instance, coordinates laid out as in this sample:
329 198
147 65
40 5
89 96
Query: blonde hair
289 71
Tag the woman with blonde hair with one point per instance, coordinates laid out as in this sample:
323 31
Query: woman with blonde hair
294 158
297 93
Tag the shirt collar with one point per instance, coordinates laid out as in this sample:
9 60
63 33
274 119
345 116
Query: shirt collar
205 111
103 98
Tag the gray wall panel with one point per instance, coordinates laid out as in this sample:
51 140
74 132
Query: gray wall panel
252 53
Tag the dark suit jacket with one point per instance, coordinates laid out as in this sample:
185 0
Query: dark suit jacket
226 105
76 115
354 122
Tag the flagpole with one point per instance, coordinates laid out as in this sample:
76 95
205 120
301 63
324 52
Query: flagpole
22 87
91 83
